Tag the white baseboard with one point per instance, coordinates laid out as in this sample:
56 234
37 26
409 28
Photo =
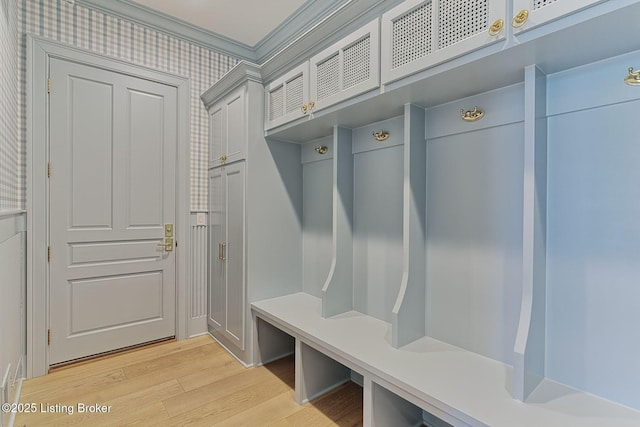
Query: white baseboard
246 365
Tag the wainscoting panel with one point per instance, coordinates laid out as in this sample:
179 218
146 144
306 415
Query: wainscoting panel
12 307
198 276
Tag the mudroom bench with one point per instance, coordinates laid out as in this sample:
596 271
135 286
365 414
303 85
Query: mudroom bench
426 382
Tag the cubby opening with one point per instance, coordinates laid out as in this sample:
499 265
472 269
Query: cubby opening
272 343
316 379
391 410
474 223
377 218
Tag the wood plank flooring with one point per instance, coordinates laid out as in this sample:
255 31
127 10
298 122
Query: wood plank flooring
185 383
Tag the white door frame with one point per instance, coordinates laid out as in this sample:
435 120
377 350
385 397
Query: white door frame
39 50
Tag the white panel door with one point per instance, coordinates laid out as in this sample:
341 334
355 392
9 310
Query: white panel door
112 190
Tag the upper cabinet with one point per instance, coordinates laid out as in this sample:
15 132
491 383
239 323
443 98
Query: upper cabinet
228 129
346 69
287 98
418 34
531 13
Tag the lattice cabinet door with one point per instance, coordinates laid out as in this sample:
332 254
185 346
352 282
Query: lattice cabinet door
287 97
346 69
531 13
418 34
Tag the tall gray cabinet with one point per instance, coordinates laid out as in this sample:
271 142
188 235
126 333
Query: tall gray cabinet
254 229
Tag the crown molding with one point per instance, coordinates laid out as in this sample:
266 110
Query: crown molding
242 72
312 27
178 28
294 26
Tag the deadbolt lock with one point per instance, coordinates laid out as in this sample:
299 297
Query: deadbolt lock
168 230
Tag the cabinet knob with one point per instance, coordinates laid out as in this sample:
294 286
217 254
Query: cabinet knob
311 105
304 108
520 18
223 158
496 27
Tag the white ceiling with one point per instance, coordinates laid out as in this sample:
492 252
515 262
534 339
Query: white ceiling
246 21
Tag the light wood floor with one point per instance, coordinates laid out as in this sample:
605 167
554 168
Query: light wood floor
186 383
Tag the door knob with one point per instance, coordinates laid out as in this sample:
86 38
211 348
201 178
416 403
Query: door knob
167 244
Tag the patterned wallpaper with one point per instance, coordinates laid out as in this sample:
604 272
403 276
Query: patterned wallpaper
11 164
89 29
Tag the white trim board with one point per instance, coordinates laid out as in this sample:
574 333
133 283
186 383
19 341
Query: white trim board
39 50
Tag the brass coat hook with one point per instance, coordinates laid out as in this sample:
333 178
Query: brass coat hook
633 78
472 115
381 135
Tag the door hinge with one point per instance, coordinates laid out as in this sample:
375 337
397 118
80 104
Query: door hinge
48 253
48 336
49 170
49 85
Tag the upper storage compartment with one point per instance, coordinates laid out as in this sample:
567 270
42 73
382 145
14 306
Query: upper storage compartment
531 13
418 34
348 68
287 97
228 129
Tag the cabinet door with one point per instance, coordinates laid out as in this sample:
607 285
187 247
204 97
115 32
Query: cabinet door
217 289
233 252
531 13
227 297
236 125
217 133
346 69
228 129
418 34
286 98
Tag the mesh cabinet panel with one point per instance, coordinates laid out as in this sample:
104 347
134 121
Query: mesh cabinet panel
461 19
356 63
411 38
537 4
276 103
328 83
295 93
